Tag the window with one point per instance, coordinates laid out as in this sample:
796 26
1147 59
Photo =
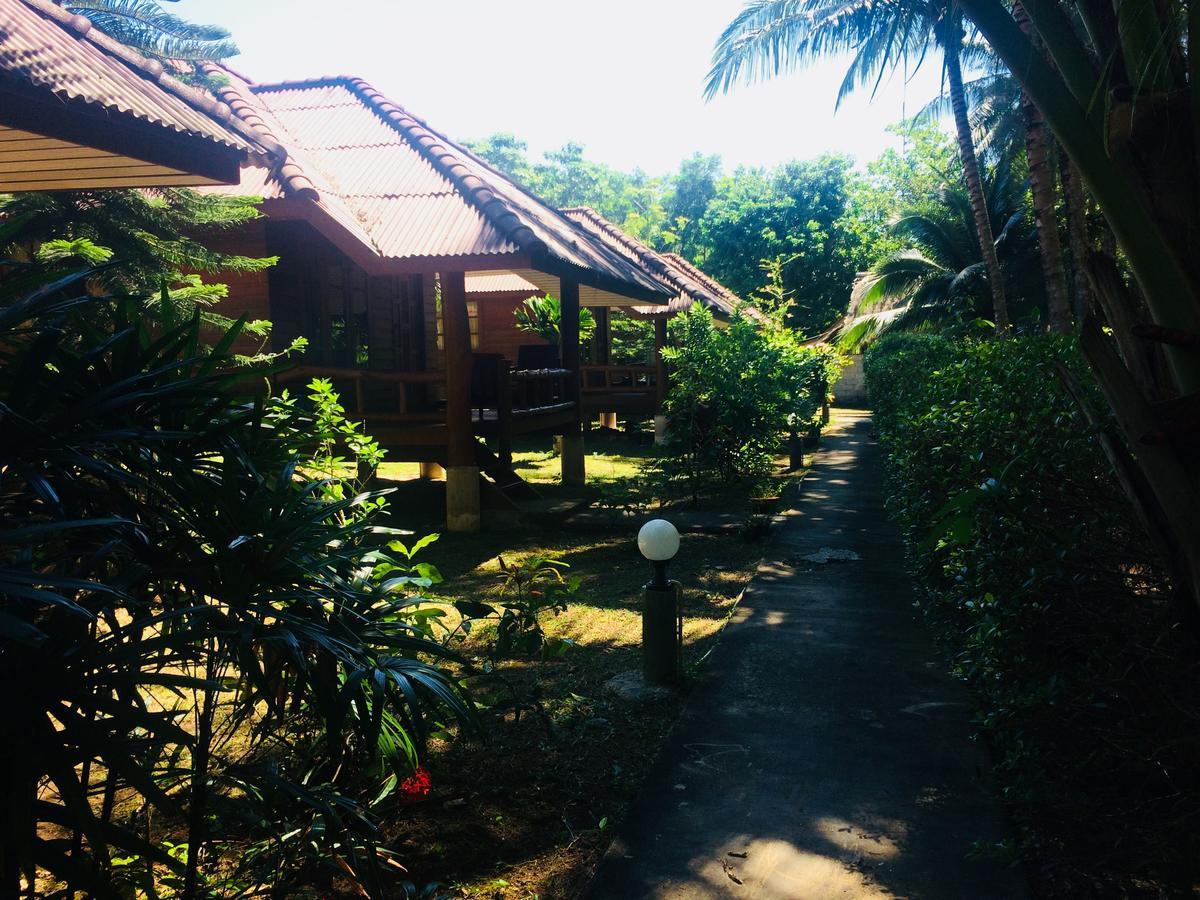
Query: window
472 324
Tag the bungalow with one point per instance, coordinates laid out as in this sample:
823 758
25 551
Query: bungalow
635 391
79 110
378 222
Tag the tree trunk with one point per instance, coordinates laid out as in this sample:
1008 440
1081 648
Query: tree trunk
966 151
1041 182
1077 239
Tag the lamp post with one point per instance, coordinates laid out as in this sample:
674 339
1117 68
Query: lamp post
662 628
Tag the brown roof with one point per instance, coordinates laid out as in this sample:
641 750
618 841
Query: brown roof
686 283
500 283
407 192
59 73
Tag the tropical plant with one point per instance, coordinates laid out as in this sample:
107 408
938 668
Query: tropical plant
542 315
772 36
734 393
173 581
159 235
148 28
939 279
1121 94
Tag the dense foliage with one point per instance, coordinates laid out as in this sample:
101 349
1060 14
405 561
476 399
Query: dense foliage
735 391
726 223
222 662
1032 567
161 237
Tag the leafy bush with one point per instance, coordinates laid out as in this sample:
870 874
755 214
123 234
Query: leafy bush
1031 566
542 316
734 392
208 644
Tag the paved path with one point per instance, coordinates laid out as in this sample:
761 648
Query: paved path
823 743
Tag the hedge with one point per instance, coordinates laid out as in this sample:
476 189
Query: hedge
1048 600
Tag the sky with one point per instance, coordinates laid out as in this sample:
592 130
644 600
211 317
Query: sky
624 78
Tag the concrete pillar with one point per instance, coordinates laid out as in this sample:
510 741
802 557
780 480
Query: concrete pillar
660 430
573 468
608 420
462 469
432 471
462 498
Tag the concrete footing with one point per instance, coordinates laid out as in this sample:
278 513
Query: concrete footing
573 470
660 430
462 498
432 471
608 420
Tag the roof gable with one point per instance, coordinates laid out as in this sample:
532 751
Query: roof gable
65 81
688 283
409 193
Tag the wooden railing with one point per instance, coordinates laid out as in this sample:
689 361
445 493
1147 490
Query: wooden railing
499 394
618 379
408 405
516 392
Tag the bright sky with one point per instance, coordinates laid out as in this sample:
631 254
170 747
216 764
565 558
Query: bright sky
622 77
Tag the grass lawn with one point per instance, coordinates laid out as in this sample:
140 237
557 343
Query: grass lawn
528 812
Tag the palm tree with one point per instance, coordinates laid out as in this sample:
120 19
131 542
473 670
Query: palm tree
146 27
769 37
941 280
1038 146
1005 121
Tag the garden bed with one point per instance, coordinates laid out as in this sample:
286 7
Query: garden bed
528 811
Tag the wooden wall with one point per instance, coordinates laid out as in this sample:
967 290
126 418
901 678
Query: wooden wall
498 332
314 282
249 292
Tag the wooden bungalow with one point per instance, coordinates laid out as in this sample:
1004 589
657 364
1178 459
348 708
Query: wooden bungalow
79 110
378 222
609 391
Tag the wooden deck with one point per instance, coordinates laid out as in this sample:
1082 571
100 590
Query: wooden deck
633 390
407 413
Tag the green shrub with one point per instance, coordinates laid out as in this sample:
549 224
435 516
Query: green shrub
1030 564
734 392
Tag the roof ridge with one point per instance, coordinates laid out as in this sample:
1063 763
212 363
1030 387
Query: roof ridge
646 254
289 172
717 287
439 151
150 69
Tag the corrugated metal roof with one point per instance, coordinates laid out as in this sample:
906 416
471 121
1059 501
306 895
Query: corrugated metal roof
686 282
45 46
413 192
499 283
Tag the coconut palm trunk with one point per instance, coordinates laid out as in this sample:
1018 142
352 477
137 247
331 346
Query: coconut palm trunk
1041 183
974 184
1077 240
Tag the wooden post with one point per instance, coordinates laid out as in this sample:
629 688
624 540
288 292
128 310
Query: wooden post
462 467
660 380
573 471
504 411
660 365
602 340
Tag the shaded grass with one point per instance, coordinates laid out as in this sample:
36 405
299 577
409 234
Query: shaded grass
529 812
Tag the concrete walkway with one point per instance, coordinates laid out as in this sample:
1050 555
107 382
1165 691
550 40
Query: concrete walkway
824 754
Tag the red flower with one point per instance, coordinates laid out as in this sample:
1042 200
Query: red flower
415 788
